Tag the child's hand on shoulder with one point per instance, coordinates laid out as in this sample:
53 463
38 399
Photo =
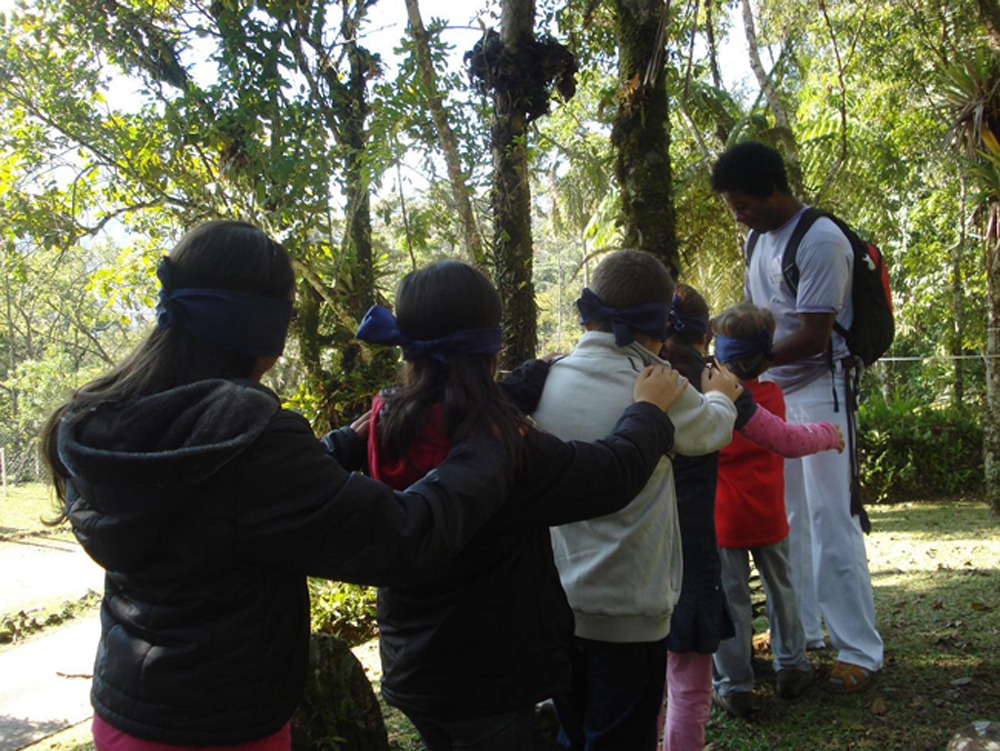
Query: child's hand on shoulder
720 378
659 385
361 425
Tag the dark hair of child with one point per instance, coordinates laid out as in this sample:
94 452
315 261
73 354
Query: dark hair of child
745 321
627 278
752 168
222 254
680 347
432 302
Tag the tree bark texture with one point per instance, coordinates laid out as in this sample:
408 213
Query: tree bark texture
338 709
641 135
357 244
358 240
449 143
957 298
989 13
782 121
713 57
991 423
511 198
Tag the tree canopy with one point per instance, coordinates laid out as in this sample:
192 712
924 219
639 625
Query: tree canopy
123 122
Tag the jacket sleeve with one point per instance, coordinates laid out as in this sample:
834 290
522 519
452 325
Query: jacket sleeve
301 511
786 439
524 386
568 482
702 423
347 447
746 406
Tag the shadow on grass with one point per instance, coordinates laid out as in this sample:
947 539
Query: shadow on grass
939 621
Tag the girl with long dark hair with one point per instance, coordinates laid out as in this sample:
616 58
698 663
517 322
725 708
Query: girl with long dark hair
473 644
208 505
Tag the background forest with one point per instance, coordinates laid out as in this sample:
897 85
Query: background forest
365 139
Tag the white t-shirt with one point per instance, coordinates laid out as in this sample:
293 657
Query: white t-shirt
825 262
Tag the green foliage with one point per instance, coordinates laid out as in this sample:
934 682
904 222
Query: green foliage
16 627
344 610
908 448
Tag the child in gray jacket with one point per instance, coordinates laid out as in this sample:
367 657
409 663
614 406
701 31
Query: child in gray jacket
622 572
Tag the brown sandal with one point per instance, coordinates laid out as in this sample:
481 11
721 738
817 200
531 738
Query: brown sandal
845 678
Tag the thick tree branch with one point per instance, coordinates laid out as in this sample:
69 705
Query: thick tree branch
782 121
449 143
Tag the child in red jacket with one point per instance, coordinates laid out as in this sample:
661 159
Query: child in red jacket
750 515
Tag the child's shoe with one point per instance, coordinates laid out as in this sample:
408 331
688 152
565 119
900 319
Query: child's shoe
792 682
734 704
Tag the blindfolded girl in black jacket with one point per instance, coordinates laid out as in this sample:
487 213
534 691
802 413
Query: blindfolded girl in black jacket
474 643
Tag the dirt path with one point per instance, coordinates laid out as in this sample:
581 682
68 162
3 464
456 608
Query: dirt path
44 570
45 684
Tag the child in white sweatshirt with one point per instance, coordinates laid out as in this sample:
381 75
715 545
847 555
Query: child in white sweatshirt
622 572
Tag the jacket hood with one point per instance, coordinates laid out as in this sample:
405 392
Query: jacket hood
133 465
424 454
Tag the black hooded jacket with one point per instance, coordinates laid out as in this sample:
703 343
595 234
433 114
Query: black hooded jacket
490 630
208 505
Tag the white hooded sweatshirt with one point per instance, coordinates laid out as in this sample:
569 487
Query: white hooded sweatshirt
622 572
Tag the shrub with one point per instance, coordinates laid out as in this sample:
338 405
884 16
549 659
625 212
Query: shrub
908 449
344 610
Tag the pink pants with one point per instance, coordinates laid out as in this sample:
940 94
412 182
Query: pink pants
109 738
689 698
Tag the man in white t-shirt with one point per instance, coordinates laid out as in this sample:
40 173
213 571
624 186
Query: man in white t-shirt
829 563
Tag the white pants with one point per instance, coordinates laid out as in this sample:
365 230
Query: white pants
827 547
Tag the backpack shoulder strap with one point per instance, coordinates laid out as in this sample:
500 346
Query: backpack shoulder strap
851 237
751 244
789 268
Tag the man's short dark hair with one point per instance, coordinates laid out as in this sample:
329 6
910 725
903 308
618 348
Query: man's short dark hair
752 168
627 278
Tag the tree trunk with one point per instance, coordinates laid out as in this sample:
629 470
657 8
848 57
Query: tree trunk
358 240
713 57
989 13
640 134
357 244
511 197
957 348
449 143
991 423
782 121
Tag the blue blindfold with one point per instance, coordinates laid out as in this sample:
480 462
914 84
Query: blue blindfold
233 321
379 326
649 319
679 320
730 349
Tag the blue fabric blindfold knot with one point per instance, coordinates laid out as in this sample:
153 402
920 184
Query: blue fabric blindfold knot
679 320
233 321
379 326
649 319
730 349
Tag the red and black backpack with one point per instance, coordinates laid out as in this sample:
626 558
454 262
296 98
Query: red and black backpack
873 328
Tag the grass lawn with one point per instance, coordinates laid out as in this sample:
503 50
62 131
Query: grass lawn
936 571
23 509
